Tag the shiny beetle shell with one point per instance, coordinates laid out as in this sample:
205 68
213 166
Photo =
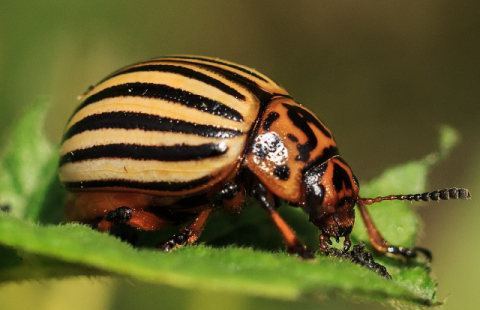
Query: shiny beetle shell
169 126
171 139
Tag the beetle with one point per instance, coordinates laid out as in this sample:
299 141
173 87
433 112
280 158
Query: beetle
172 139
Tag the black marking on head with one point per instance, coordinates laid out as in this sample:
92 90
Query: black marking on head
300 118
153 186
340 178
272 117
5 208
172 153
168 93
355 180
282 172
187 72
147 122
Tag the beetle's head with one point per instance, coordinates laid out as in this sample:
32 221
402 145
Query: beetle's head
330 197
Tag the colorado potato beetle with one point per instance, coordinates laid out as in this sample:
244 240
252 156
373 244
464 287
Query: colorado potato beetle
173 139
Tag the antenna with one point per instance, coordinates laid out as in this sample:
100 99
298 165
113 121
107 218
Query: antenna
443 194
376 238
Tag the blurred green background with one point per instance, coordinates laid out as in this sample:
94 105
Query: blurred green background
383 75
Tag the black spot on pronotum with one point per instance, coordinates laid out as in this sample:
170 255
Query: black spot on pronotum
5 208
301 119
282 172
272 117
292 137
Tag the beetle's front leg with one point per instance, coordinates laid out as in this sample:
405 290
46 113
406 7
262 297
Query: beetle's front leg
267 201
381 245
325 242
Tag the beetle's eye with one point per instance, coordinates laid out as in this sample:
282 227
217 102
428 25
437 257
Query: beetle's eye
315 191
314 197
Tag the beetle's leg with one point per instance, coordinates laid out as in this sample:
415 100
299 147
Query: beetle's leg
381 245
140 219
190 233
229 191
267 201
231 197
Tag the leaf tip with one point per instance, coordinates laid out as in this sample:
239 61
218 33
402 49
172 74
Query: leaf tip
449 138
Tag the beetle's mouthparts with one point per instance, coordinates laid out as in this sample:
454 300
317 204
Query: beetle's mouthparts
337 224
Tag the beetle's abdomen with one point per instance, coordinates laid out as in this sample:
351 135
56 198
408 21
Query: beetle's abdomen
169 126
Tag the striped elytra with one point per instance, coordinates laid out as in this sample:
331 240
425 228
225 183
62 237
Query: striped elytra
173 139
169 125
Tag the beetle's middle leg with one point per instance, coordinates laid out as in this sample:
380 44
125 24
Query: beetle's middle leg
190 233
229 198
267 201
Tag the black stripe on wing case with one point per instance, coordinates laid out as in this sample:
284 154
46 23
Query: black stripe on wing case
147 122
165 92
153 186
143 152
251 85
186 72
222 63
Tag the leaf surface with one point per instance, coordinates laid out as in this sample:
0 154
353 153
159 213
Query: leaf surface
241 253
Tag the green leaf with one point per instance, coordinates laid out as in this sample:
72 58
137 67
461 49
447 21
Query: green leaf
241 253
28 178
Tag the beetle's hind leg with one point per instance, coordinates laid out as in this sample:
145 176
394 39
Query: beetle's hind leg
136 218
